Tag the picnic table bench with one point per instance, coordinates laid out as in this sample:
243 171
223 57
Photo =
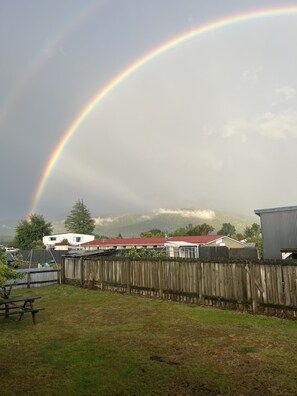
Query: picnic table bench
19 306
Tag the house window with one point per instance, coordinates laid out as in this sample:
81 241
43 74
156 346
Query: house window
53 238
188 252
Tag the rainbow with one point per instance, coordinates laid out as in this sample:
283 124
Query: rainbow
123 75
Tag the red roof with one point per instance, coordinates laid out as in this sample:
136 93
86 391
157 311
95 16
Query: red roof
201 239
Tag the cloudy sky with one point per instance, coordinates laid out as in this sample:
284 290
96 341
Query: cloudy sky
209 124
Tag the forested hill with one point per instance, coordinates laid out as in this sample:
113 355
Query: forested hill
131 225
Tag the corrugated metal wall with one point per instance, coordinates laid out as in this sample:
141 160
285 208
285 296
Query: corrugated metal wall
279 231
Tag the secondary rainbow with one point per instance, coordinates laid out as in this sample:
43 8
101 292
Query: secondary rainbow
111 85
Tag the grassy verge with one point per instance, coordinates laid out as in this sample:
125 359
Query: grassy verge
97 343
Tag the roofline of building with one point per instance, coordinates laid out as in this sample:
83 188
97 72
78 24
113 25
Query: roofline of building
225 236
271 210
180 243
64 233
155 241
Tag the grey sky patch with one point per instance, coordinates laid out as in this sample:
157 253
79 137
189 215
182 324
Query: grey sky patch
180 132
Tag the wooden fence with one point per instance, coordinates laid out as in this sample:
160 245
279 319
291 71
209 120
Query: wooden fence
38 277
259 286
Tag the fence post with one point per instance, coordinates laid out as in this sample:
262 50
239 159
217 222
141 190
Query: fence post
28 279
200 282
161 279
253 287
128 276
63 260
81 262
101 273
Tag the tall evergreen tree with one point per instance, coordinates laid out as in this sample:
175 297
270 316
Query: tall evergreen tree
79 220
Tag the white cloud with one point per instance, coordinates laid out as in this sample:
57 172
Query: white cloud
277 126
100 221
199 214
238 127
235 127
252 74
145 217
284 93
6 227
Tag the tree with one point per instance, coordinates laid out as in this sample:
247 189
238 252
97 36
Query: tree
152 233
8 275
143 253
253 231
79 220
201 229
227 229
181 231
253 234
30 232
98 236
239 236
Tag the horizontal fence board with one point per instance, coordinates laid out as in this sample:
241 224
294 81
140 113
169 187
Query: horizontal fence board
37 278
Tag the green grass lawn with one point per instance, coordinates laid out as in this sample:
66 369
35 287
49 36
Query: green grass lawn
90 342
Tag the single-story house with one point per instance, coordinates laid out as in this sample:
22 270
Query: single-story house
73 239
188 247
161 242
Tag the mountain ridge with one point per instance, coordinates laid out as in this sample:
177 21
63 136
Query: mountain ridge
130 224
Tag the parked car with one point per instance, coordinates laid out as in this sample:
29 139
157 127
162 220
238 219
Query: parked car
12 250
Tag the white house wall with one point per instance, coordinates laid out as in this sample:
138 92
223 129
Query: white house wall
73 239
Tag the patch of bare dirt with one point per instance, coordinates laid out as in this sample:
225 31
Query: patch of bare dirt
191 388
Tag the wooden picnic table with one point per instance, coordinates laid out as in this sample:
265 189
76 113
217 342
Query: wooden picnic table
19 306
